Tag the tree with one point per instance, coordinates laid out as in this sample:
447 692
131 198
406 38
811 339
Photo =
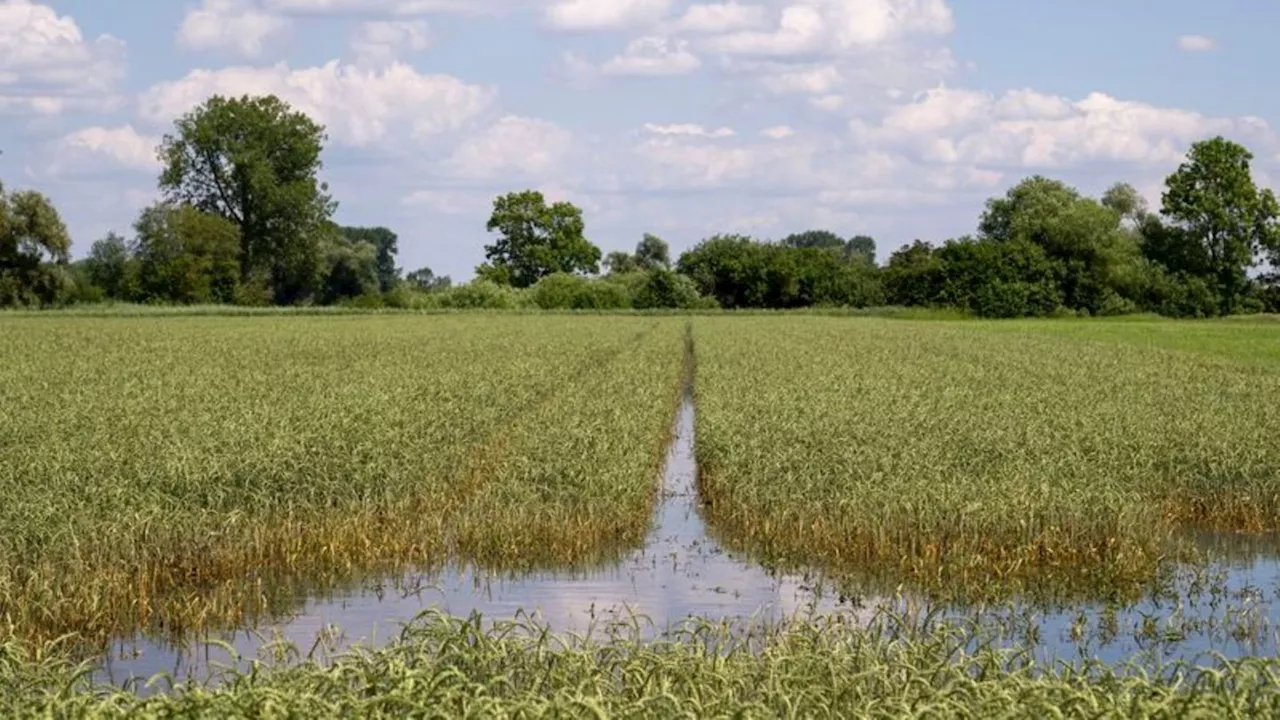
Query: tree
914 275
34 249
536 240
1126 201
1213 200
620 263
652 252
254 161
814 239
425 279
351 265
110 267
861 247
386 246
1093 258
186 256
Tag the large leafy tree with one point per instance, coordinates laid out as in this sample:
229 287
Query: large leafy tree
185 255
861 248
1093 258
34 249
536 240
1211 201
254 161
652 252
110 267
386 245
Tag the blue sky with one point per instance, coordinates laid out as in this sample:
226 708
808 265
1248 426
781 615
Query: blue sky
894 118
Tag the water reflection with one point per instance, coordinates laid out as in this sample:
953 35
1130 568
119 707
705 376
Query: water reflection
680 573
1228 606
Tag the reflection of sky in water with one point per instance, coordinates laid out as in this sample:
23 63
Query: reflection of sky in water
680 573
683 573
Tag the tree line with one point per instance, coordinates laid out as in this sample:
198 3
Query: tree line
243 218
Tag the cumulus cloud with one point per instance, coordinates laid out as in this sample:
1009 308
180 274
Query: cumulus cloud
513 145
838 26
778 132
688 129
46 63
1024 128
1196 43
123 147
236 25
720 18
358 106
604 14
653 56
379 42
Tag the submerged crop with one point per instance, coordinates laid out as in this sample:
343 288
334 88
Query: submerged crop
169 473
972 461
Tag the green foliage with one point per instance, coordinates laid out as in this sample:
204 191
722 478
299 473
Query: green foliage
814 239
1091 257
427 281
620 263
652 252
738 272
185 256
982 459
914 275
34 250
386 245
561 291
304 450
664 288
1212 201
254 161
354 267
111 268
843 665
536 240
861 248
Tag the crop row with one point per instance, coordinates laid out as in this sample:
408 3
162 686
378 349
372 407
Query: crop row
167 473
973 461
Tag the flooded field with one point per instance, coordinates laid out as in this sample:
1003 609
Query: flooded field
729 498
1228 607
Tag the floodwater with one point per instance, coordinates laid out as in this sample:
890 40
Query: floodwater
1232 607
681 572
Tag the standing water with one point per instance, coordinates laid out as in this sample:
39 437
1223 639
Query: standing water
679 573
1231 607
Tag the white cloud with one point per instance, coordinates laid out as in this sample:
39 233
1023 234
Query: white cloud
720 18
653 56
605 14
1196 43
358 106
379 42
47 65
1027 129
236 25
838 26
688 129
512 146
778 132
123 146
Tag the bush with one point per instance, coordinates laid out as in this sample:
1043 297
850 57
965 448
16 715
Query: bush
663 288
562 291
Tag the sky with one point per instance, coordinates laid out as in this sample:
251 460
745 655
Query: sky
892 118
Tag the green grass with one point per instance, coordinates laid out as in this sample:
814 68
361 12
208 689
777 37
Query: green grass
167 474
975 459
891 668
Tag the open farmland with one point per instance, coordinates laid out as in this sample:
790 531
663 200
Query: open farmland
969 459
169 473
